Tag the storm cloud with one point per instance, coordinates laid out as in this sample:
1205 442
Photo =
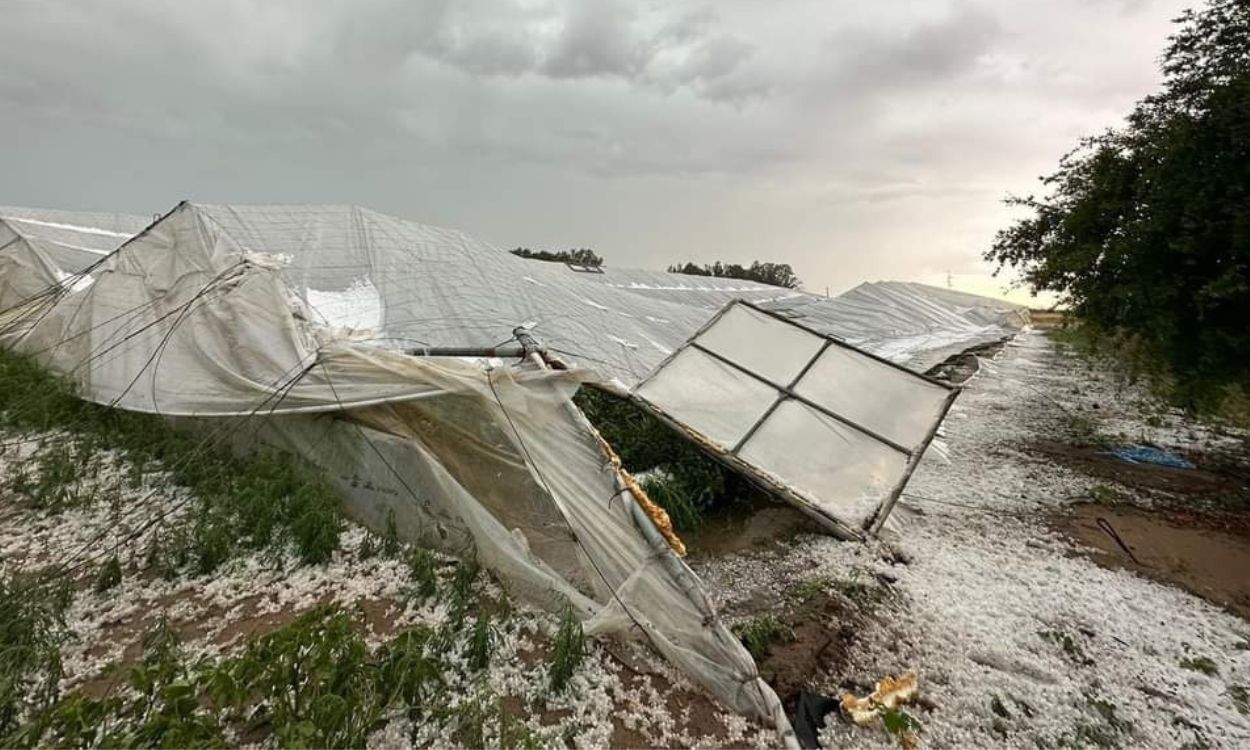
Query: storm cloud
856 141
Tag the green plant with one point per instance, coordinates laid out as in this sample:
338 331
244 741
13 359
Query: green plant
861 588
1068 644
1240 694
422 570
683 480
804 591
462 588
314 680
369 547
567 650
160 709
481 643
109 575
1085 429
760 633
899 723
471 718
679 500
240 502
407 671
32 629
390 538
1202 664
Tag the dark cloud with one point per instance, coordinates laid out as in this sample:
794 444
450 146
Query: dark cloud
934 51
852 139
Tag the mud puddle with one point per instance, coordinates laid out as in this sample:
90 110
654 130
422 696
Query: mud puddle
1202 555
761 526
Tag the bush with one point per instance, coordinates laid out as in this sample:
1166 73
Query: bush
1143 229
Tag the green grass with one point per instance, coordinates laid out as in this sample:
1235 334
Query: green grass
481 644
1103 729
1132 361
866 594
1085 429
679 500
1105 495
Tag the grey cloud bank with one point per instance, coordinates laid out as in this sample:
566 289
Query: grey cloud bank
855 141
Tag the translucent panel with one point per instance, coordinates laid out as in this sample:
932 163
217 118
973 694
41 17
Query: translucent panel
761 344
887 401
709 396
845 473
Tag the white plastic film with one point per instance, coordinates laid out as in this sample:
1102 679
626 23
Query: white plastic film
902 407
712 397
755 341
194 321
843 472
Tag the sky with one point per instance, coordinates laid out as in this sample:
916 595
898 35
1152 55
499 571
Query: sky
855 141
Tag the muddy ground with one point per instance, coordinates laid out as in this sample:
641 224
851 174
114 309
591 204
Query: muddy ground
1184 527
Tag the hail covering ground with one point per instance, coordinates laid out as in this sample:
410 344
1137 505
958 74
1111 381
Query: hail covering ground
976 608
990 592
254 594
976 612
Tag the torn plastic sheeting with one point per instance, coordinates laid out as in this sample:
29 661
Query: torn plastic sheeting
184 320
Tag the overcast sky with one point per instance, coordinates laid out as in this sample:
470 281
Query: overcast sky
856 141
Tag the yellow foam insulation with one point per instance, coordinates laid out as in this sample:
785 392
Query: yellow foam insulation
658 515
889 693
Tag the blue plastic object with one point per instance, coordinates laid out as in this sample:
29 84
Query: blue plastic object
1148 454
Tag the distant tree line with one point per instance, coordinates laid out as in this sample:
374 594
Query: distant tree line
1145 229
777 274
582 256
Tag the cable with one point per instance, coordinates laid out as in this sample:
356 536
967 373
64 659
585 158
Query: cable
982 508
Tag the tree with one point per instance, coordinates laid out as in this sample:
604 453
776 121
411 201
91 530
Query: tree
1145 229
777 274
583 256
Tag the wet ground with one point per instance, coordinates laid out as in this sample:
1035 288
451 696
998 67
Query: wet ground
1027 624
1177 549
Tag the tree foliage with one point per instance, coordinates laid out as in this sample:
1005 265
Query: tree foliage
582 256
1145 229
777 274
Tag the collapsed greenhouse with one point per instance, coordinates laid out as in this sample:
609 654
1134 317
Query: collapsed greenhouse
432 376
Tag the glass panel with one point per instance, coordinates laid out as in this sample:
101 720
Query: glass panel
842 471
887 401
709 396
773 348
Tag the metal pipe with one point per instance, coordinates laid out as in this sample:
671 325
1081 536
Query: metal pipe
509 351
